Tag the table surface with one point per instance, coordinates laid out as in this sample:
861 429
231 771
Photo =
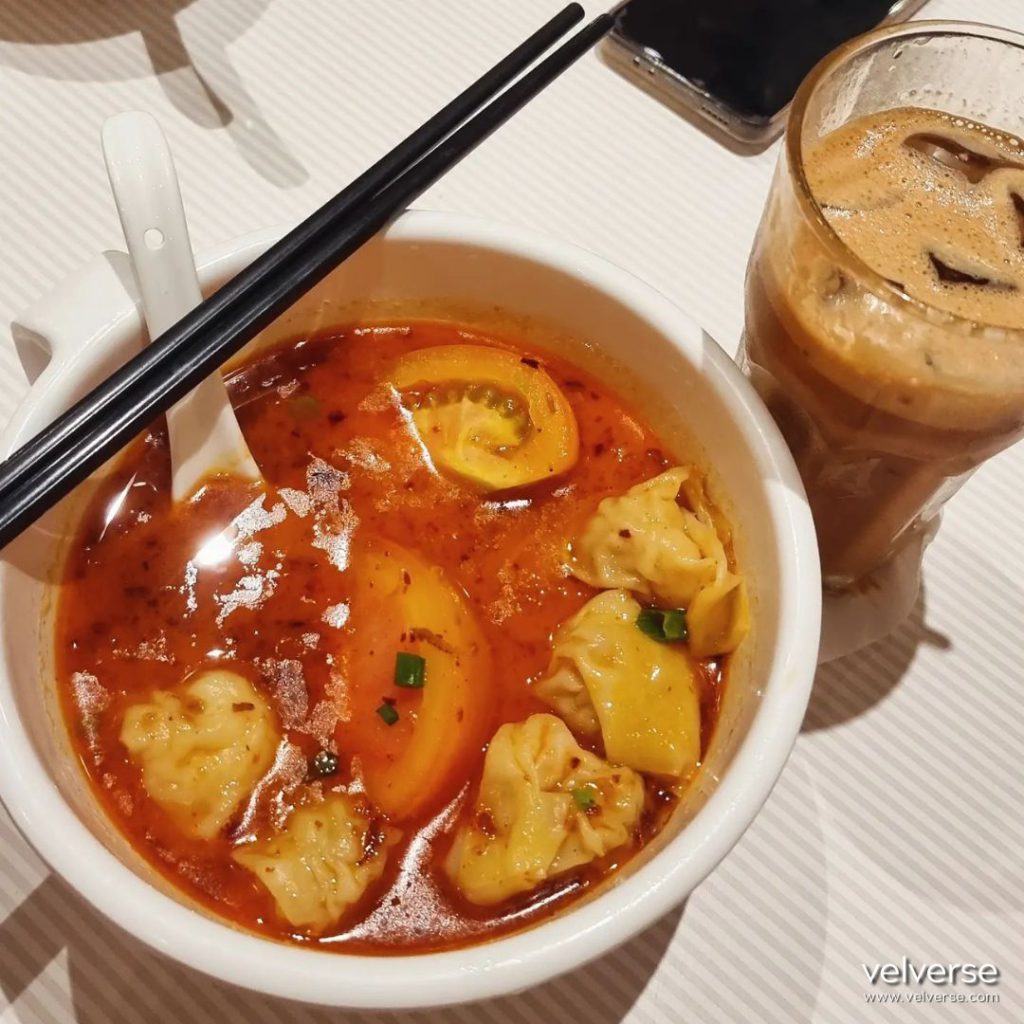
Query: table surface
896 829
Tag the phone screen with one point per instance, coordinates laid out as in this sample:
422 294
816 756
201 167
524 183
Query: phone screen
747 54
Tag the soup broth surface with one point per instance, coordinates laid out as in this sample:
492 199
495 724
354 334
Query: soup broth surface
263 580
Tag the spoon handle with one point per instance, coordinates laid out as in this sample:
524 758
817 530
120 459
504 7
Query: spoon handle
204 434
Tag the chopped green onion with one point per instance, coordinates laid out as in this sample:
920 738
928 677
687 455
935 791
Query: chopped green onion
304 407
674 624
325 763
649 622
584 798
666 625
410 670
388 713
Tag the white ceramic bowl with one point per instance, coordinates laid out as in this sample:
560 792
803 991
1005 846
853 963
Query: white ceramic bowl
562 296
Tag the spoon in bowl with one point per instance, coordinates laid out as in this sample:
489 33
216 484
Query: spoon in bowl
204 434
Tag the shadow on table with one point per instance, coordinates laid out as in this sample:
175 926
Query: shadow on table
113 977
936 776
57 39
849 686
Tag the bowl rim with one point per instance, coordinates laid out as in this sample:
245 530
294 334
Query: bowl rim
569 939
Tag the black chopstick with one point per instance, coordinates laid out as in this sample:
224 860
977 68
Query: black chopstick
330 217
109 417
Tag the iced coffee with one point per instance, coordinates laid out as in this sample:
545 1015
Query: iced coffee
885 319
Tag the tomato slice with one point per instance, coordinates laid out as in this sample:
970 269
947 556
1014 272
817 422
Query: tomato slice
401 602
488 416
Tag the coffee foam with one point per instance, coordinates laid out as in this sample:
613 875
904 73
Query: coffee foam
929 201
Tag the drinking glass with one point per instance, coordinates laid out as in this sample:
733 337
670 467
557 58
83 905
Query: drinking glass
888 403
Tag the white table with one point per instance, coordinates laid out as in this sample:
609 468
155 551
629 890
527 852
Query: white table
896 829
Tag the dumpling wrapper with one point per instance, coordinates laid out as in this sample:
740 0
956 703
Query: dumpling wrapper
642 696
323 861
527 826
646 542
202 748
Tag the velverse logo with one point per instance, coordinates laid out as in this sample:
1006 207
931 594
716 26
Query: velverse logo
907 972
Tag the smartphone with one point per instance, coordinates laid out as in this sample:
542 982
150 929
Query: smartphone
737 63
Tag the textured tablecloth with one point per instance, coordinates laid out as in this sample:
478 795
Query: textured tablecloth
896 828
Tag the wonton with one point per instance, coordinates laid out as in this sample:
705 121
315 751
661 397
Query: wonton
647 542
608 677
322 862
202 748
545 806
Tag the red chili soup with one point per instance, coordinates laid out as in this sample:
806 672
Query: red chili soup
346 640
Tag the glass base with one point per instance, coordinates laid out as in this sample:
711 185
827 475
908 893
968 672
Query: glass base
854 619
